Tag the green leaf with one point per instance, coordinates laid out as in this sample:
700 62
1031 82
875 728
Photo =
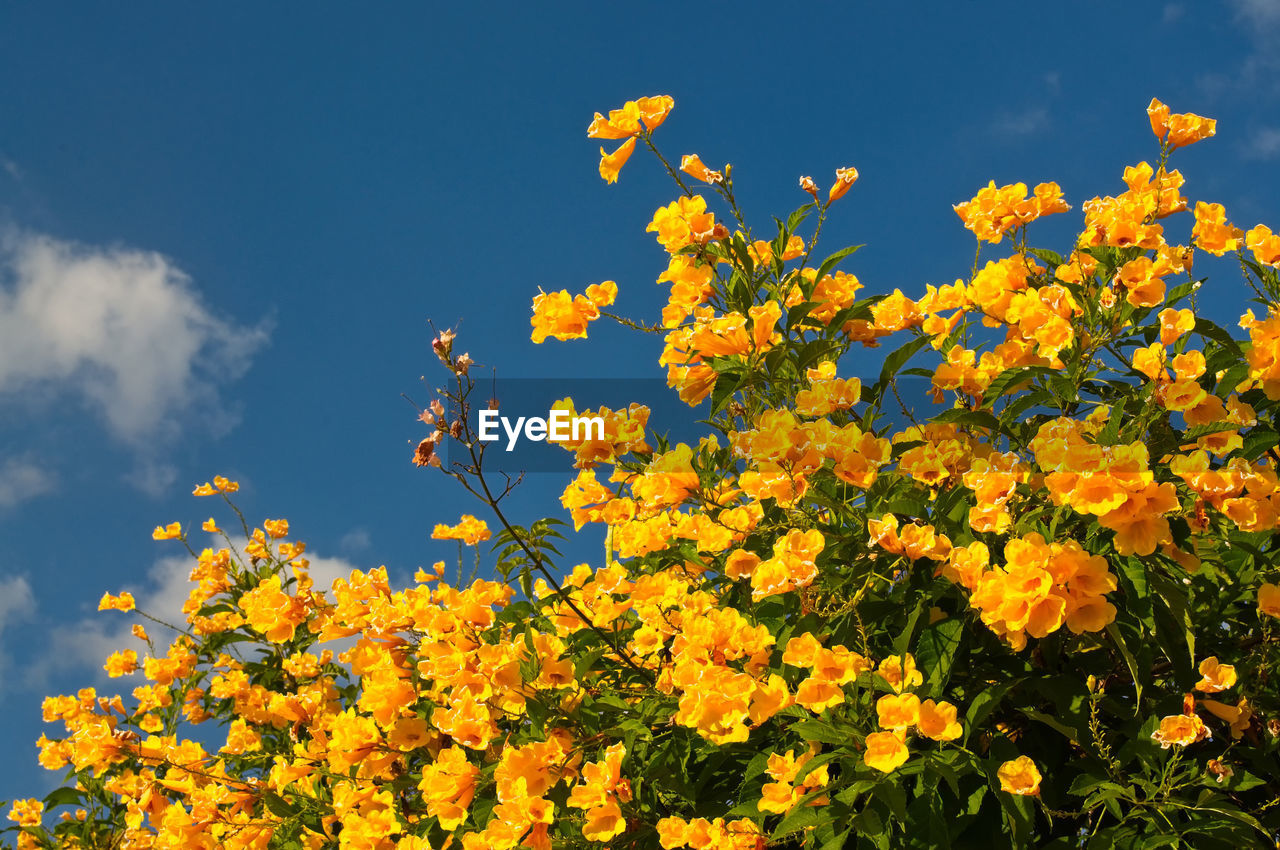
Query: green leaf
1050 258
800 818
969 419
830 262
1174 625
898 358
1257 443
820 731
1129 660
985 702
936 651
727 384
63 797
1012 377
1209 330
797 218
1133 576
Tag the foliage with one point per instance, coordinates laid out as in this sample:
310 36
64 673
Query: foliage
1045 616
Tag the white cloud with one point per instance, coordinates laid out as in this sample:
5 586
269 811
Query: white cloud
1262 14
1265 144
1025 123
124 329
153 478
355 540
17 603
21 479
1172 12
85 645
11 168
16 600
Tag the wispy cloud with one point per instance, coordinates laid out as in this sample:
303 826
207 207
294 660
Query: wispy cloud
12 168
17 604
122 329
1264 144
355 540
1172 12
1262 14
1020 124
22 479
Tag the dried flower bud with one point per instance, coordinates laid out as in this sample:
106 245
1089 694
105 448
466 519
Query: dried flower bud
425 454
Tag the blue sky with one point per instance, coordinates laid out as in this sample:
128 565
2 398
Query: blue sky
222 234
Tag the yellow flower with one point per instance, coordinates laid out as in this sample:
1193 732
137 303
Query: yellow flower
692 165
602 294
898 712
1264 244
1269 600
123 602
469 530
121 663
938 721
1182 128
205 489
900 672
1020 776
1238 716
27 812
277 528
654 109
224 486
172 531
886 751
845 177
560 315
1217 677
611 163
1180 730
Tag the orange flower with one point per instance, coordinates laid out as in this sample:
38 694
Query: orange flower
121 663
845 177
1268 600
27 813
692 165
886 752
123 602
900 672
1212 232
620 124
611 163
1264 244
560 315
898 712
1020 776
938 721
1216 677
655 109
1182 129
602 294
1180 730
469 530
172 531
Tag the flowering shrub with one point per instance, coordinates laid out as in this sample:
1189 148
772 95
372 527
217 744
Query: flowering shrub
1042 616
